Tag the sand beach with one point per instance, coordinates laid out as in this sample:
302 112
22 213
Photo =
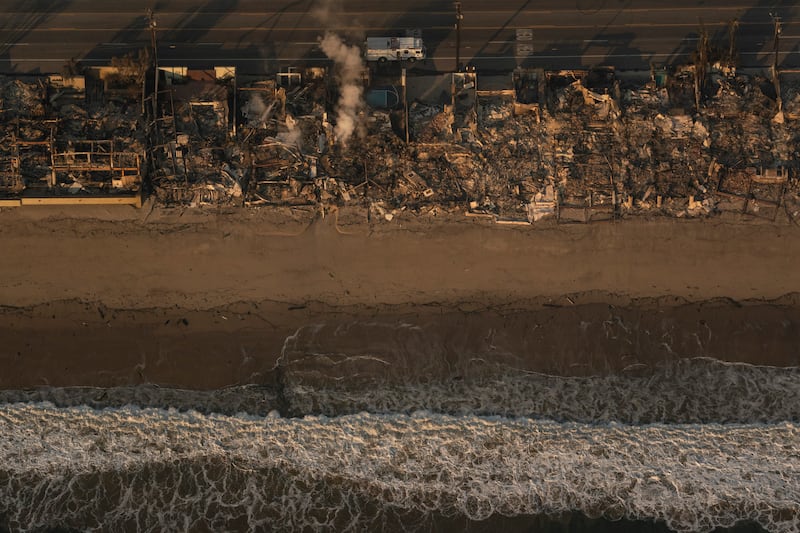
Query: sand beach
206 299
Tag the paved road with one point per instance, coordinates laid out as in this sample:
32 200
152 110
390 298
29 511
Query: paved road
258 36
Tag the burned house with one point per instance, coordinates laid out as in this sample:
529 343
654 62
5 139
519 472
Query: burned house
194 158
282 133
516 148
65 143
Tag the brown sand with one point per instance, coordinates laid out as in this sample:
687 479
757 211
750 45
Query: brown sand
100 296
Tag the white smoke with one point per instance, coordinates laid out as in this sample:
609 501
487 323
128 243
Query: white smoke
332 16
328 12
256 111
348 68
293 136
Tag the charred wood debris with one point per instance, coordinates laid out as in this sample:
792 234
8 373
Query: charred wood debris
570 146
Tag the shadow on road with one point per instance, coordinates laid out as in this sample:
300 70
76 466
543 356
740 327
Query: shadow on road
27 16
271 49
177 44
503 29
135 31
195 24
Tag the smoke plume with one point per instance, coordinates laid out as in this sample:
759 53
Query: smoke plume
293 135
256 112
348 66
328 12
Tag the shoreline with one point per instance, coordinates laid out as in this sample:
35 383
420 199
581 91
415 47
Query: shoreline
199 260
72 343
209 300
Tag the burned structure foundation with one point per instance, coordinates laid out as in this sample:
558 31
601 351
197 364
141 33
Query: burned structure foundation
69 140
533 145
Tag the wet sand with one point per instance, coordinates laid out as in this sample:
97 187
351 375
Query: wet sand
192 299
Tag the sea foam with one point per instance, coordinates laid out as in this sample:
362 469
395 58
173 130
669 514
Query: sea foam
155 469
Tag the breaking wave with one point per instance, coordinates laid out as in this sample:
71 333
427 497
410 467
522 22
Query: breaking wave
679 392
155 470
685 391
336 369
393 427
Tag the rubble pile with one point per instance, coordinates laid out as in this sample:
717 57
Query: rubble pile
24 98
573 146
283 137
194 158
791 103
60 139
595 149
582 122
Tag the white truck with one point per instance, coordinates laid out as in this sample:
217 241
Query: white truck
383 49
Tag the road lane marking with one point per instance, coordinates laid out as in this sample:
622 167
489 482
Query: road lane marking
437 58
744 7
643 25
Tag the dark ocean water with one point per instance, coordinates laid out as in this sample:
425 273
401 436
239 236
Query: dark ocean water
401 438
696 445
163 470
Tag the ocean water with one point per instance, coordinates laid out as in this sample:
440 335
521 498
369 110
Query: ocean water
164 470
697 390
353 438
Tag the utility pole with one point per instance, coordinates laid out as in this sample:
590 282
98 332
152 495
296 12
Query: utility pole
405 102
732 27
775 78
700 67
459 17
151 23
